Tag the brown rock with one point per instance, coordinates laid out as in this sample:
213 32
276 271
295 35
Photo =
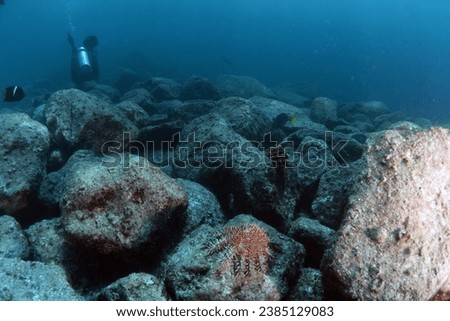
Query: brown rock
114 209
394 243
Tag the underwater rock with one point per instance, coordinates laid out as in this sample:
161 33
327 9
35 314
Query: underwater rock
211 127
53 184
244 118
190 110
347 129
199 88
166 106
160 136
34 281
404 125
308 128
13 242
134 287
423 122
163 89
364 111
158 119
78 120
315 237
444 292
313 158
119 204
290 97
345 148
324 110
309 286
394 243
108 93
142 98
23 152
363 127
125 80
242 177
373 108
242 260
332 194
163 159
85 269
135 113
297 117
203 207
38 114
386 121
48 243
242 86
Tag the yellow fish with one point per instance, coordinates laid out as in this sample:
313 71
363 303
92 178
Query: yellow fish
294 119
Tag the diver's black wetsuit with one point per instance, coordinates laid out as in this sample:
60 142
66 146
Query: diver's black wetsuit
89 43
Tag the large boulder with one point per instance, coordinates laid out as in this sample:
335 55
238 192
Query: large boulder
135 113
394 243
77 120
126 78
271 108
192 109
34 281
104 92
120 205
134 287
242 86
199 88
86 270
53 184
203 206
324 110
315 237
48 243
331 196
242 260
242 176
13 242
163 89
362 111
444 292
309 286
142 98
23 150
244 118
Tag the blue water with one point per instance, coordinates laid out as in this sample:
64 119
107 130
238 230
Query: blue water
396 51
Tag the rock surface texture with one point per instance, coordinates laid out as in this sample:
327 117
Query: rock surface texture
116 208
24 146
394 243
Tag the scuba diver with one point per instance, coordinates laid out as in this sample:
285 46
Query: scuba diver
84 65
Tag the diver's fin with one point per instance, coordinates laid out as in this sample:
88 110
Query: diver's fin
90 42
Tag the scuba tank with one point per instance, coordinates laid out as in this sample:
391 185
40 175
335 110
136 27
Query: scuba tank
84 63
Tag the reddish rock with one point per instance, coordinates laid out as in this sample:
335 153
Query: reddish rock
394 243
118 208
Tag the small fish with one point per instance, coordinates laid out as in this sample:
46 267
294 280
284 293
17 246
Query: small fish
294 119
13 93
